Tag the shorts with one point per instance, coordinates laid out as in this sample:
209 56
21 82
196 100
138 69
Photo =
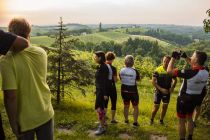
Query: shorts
160 96
200 100
186 104
99 102
130 94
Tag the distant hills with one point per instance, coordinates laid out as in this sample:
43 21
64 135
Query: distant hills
190 31
195 31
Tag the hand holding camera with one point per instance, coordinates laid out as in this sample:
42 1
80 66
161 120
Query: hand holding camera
183 54
178 54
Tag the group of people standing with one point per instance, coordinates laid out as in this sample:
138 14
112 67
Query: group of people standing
106 76
191 94
27 96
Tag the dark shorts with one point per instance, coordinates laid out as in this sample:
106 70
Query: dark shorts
159 96
100 102
112 94
130 94
186 105
200 100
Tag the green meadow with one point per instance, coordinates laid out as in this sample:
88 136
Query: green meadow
75 118
99 37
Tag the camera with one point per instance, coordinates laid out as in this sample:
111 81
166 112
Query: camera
178 54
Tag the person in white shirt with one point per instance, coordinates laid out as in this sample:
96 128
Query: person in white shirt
129 76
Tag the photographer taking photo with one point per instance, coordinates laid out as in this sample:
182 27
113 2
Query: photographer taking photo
195 80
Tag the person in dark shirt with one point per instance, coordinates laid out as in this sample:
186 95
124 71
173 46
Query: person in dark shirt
15 43
10 41
164 85
195 80
112 78
101 76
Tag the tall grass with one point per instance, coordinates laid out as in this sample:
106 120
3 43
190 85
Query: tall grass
78 115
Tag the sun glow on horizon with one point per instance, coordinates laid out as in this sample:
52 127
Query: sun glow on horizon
2 11
26 5
43 12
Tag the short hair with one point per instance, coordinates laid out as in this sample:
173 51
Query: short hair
201 57
167 56
20 27
101 55
110 56
129 61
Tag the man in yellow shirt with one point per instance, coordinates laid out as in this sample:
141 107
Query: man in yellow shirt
164 85
27 97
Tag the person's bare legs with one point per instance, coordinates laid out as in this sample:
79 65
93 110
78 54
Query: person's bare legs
182 128
101 117
105 109
163 111
196 113
113 115
126 111
136 113
154 112
190 126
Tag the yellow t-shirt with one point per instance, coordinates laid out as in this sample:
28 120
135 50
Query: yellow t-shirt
164 79
26 73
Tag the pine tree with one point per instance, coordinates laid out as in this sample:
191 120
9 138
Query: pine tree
100 27
65 71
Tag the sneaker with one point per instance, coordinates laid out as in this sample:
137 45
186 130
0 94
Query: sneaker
136 124
161 122
151 122
100 131
114 121
194 124
127 121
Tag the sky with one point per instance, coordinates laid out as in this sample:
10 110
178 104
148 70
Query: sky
47 12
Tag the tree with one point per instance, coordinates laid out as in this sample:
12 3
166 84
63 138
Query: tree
207 22
65 68
206 102
100 27
145 65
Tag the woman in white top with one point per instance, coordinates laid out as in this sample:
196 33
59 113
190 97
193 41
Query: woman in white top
129 91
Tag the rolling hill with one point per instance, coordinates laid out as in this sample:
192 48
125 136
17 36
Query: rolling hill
97 38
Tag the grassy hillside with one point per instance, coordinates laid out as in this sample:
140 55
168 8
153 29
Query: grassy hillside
42 40
104 36
75 26
97 38
40 30
76 118
127 30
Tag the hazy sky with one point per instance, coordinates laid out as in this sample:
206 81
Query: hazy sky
45 12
